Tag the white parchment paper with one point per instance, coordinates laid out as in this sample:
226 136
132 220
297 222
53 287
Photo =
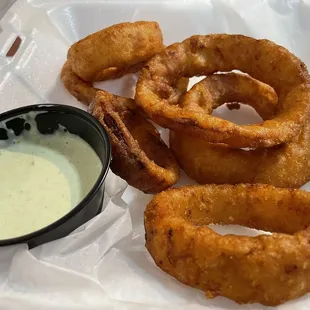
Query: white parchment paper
104 264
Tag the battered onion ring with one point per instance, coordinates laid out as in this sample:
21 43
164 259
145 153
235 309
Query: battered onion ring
205 55
269 269
119 46
286 165
139 154
86 93
217 89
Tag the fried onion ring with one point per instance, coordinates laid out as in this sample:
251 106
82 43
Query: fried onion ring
119 46
269 269
205 55
286 165
86 93
215 90
139 154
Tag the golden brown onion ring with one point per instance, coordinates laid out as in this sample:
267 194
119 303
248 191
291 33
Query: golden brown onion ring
119 46
86 93
269 269
205 55
286 165
215 90
139 154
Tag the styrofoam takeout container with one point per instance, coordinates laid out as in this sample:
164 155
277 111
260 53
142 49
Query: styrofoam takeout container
104 264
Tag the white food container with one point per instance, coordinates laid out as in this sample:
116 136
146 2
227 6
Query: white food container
104 264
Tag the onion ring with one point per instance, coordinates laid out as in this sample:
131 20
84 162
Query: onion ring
286 165
86 93
139 154
119 46
269 269
217 89
205 55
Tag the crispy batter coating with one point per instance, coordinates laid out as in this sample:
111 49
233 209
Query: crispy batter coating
119 46
286 165
269 269
139 154
205 55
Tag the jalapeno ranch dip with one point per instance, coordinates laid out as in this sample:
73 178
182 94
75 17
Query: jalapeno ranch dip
42 178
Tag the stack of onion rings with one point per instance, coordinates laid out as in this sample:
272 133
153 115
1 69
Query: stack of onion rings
139 155
286 165
265 269
269 269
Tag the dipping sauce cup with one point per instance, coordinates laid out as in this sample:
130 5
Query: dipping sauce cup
66 153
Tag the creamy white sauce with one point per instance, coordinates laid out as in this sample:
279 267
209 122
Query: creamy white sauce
42 178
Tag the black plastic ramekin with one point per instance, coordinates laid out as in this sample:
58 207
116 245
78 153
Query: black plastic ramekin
76 121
